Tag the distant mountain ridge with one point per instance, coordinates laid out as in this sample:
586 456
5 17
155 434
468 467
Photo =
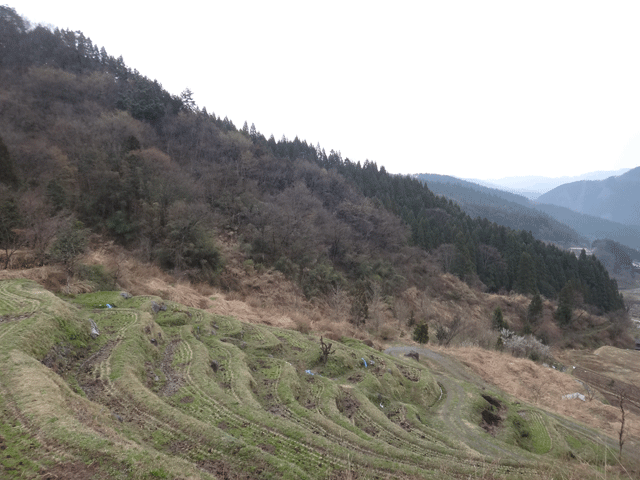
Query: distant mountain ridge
504 208
592 227
516 211
532 187
615 198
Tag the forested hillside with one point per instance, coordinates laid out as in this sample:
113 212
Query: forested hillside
88 144
503 208
593 227
547 222
616 257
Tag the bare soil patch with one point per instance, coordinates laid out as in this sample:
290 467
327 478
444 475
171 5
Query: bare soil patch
492 415
14 318
174 378
412 374
70 471
347 404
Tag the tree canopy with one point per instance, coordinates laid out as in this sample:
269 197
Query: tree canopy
115 150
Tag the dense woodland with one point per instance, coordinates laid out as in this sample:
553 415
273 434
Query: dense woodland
89 145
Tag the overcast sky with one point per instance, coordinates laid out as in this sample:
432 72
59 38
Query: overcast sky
474 89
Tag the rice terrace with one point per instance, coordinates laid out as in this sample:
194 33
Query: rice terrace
169 391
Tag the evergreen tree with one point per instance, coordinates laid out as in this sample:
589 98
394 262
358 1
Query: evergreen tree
564 312
535 308
498 321
526 279
421 333
187 100
462 264
360 306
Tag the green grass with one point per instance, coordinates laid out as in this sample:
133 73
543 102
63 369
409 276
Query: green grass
143 401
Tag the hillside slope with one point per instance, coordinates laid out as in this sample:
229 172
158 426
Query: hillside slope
96 148
185 393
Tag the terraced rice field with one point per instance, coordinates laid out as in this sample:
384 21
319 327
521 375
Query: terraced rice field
183 393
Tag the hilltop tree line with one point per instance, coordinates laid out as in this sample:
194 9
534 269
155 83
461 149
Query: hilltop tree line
85 138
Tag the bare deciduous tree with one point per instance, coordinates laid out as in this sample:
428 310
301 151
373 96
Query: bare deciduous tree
326 350
445 253
621 395
589 391
447 331
40 227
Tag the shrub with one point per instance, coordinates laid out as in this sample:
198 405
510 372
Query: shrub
96 274
70 242
524 346
321 280
285 266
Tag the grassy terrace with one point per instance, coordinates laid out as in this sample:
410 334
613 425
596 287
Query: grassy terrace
184 393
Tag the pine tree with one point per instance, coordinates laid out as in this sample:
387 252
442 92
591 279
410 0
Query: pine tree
360 306
498 321
526 279
462 264
187 100
564 312
421 333
535 308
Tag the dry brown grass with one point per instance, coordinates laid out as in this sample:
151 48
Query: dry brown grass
40 275
543 386
257 295
617 363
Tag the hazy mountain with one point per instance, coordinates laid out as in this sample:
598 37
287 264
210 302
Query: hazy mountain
492 191
503 208
615 198
513 210
534 186
593 227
